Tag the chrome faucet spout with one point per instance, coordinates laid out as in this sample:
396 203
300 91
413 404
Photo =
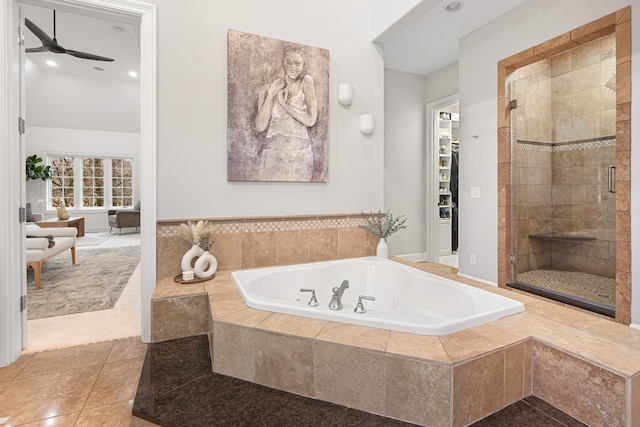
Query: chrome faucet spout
336 299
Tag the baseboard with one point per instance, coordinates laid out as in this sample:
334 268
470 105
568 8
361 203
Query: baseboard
635 326
486 282
417 257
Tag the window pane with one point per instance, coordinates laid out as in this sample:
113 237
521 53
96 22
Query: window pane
121 182
93 171
61 184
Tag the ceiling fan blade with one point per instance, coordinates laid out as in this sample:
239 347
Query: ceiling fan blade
85 55
44 38
36 49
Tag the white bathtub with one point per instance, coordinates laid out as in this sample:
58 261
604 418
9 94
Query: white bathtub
406 299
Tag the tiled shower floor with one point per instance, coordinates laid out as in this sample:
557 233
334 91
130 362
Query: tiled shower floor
590 287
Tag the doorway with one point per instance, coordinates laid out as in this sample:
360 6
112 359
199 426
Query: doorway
146 15
442 180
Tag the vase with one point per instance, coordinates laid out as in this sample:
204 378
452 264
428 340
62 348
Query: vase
206 265
187 260
382 250
62 212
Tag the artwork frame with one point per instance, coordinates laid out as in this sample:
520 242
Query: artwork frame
277 111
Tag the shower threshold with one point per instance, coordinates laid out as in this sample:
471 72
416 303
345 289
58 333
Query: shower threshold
573 300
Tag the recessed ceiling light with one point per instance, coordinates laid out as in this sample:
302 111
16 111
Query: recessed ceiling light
98 68
454 6
118 29
51 63
133 74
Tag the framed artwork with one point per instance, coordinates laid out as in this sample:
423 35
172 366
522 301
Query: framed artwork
278 110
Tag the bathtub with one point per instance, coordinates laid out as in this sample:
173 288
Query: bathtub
406 299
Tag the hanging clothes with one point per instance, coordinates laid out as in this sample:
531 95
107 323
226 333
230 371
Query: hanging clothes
454 200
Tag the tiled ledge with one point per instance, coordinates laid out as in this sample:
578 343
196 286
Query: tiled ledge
582 363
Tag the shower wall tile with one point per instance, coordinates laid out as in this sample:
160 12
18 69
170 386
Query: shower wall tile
608 101
561 63
586 101
586 55
561 85
561 107
586 126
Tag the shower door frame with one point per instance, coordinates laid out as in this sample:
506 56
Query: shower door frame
618 23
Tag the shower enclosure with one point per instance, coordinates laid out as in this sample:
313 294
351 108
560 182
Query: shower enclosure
563 166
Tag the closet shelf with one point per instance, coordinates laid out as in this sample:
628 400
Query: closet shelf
562 237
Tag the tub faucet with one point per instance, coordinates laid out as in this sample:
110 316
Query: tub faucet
336 299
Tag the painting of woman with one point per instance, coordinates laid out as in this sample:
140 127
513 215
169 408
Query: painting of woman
287 112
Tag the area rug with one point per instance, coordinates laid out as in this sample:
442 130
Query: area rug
94 283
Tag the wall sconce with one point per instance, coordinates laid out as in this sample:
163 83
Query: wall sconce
345 94
367 123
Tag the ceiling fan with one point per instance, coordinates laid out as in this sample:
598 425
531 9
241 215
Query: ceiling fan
51 45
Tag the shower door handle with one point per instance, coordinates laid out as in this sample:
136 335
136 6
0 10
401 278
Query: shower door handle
612 179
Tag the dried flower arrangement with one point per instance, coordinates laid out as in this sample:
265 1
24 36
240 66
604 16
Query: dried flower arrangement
198 233
383 225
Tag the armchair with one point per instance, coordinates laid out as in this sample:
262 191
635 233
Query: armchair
39 250
123 218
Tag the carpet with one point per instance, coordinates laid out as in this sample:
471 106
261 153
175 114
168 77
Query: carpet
94 283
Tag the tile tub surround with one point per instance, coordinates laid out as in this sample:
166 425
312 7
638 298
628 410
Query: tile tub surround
174 393
453 380
267 241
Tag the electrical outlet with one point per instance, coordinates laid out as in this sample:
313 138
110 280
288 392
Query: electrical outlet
475 192
472 259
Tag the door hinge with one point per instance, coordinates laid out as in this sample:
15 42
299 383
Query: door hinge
513 259
20 36
21 125
23 303
513 104
22 214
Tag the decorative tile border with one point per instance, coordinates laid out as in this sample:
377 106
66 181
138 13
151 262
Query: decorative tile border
583 144
170 228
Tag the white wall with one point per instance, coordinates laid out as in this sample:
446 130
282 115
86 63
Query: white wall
404 159
192 108
387 13
56 98
45 140
525 26
442 83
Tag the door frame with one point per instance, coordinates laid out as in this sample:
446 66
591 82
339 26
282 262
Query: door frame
12 271
432 238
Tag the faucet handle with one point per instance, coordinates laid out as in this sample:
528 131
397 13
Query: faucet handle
360 307
313 302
